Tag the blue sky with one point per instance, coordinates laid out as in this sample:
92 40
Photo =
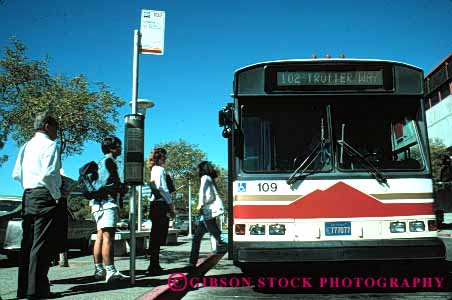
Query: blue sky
205 42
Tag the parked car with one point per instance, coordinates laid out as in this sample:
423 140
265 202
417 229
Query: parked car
10 209
79 232
181 223
146 225
123 224
9 204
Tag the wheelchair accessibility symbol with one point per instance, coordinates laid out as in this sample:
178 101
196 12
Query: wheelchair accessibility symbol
242 187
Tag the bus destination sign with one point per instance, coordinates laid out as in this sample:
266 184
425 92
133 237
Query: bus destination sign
330 78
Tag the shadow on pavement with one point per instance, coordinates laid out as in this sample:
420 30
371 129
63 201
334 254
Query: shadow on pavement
86 284
101 286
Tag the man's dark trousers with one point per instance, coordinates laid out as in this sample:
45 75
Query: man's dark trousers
38 240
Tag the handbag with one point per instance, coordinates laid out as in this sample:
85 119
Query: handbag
170 184
215 209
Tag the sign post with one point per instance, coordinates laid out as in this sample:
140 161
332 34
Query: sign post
149 41
190 229
153 31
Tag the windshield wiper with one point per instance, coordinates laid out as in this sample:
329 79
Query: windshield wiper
319 149
296 175
370 167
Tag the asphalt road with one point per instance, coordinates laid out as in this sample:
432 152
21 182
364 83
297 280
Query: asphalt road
225 281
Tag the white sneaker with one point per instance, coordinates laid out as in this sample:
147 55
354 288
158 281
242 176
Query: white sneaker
116 276
99 274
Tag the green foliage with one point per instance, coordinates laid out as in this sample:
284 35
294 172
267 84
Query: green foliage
27 88
182 157
437 150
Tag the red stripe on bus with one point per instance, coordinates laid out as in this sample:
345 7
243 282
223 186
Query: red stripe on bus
338 201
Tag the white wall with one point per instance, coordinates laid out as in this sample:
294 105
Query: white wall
439 121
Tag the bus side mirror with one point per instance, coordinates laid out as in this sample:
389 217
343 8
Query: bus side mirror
225 118
226 132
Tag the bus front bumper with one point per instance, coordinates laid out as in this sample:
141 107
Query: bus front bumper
396 249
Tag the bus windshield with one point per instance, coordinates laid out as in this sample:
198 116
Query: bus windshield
383 130
281 135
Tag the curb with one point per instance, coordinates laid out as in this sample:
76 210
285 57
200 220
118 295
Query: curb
164 292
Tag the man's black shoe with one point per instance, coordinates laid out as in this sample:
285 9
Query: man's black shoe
222 248
154 271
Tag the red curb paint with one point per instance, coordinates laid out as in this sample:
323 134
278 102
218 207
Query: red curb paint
154 293
163 292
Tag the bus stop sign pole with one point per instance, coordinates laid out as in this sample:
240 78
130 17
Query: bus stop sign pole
153 28
136 45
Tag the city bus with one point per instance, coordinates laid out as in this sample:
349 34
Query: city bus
329 162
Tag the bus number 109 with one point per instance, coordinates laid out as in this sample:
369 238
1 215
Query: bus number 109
265 187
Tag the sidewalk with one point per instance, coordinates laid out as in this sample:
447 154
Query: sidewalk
76 282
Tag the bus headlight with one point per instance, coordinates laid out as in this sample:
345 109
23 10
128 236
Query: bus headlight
257 229
277 229
397 227
240 229
417 226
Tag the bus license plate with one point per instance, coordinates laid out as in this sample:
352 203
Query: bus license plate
338 228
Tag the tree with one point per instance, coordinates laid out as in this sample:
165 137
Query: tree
182 157
437 150
27 88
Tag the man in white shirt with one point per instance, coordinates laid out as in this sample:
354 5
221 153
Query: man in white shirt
38 169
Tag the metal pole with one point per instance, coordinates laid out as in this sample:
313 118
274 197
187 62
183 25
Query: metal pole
140 207
189 208
136 46
132 235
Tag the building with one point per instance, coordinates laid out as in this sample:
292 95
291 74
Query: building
438 102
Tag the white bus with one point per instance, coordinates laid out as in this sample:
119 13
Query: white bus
329 161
